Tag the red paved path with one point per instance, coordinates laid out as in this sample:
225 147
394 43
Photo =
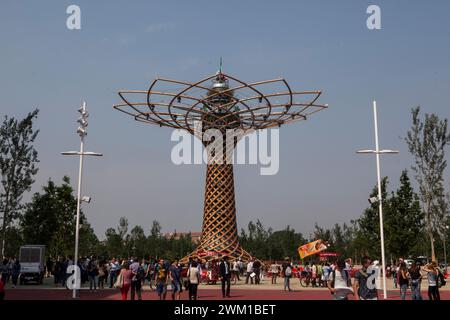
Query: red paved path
205 294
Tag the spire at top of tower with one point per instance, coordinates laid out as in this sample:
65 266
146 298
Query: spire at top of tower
220 80
220 66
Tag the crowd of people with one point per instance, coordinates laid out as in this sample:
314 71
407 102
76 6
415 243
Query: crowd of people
410 277
131 274
364 286
10 269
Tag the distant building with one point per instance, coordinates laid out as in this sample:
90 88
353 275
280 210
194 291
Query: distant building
195 236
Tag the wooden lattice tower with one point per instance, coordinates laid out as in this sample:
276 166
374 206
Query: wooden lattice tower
226 104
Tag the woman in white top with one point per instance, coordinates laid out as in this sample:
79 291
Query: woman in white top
235 273
194 279
432 275
274 269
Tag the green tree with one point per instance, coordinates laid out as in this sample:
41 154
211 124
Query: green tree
113 243
18 160
339 243
427 141
368 225
256 241
13 241
89 243
284 243
349 232
138 241
341 239
49 219
321 233
404 220
155 240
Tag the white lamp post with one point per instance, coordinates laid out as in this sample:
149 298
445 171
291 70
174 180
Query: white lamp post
82 133
377 153
446 227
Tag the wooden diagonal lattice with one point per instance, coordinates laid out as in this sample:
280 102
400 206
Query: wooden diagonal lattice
219 231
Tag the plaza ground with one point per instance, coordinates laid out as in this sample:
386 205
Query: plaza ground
240 291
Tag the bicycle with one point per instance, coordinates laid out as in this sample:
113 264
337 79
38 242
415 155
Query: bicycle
305 279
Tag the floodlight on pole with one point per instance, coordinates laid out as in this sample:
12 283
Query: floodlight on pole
70 153
86 199
378 152
82 133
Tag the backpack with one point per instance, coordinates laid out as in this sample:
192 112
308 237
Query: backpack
347 276
288 271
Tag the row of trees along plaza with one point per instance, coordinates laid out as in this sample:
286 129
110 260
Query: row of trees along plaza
415 217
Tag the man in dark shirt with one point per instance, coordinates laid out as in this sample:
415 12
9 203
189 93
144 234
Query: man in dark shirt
175 276
257 271
364 286
225 275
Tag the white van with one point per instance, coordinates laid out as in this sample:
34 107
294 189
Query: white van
32 263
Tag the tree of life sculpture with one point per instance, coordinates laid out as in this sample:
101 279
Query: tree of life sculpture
220 102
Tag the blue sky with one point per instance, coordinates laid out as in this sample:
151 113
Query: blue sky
323 45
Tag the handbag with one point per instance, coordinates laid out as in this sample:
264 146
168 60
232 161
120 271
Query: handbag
119 281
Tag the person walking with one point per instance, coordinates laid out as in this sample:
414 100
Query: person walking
57 266
225 276
161 279
235 271
363 287
403 279
320 275
114 269
15 272
274 270
48 267
175 277
123 281
395 270
432 276
145 265
4 269
313 275
63 271
249 272
92 270
308 269
102 274
287 273
326 274
340 283
416 280
257 271
136 280
241 267
194 279
152 273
